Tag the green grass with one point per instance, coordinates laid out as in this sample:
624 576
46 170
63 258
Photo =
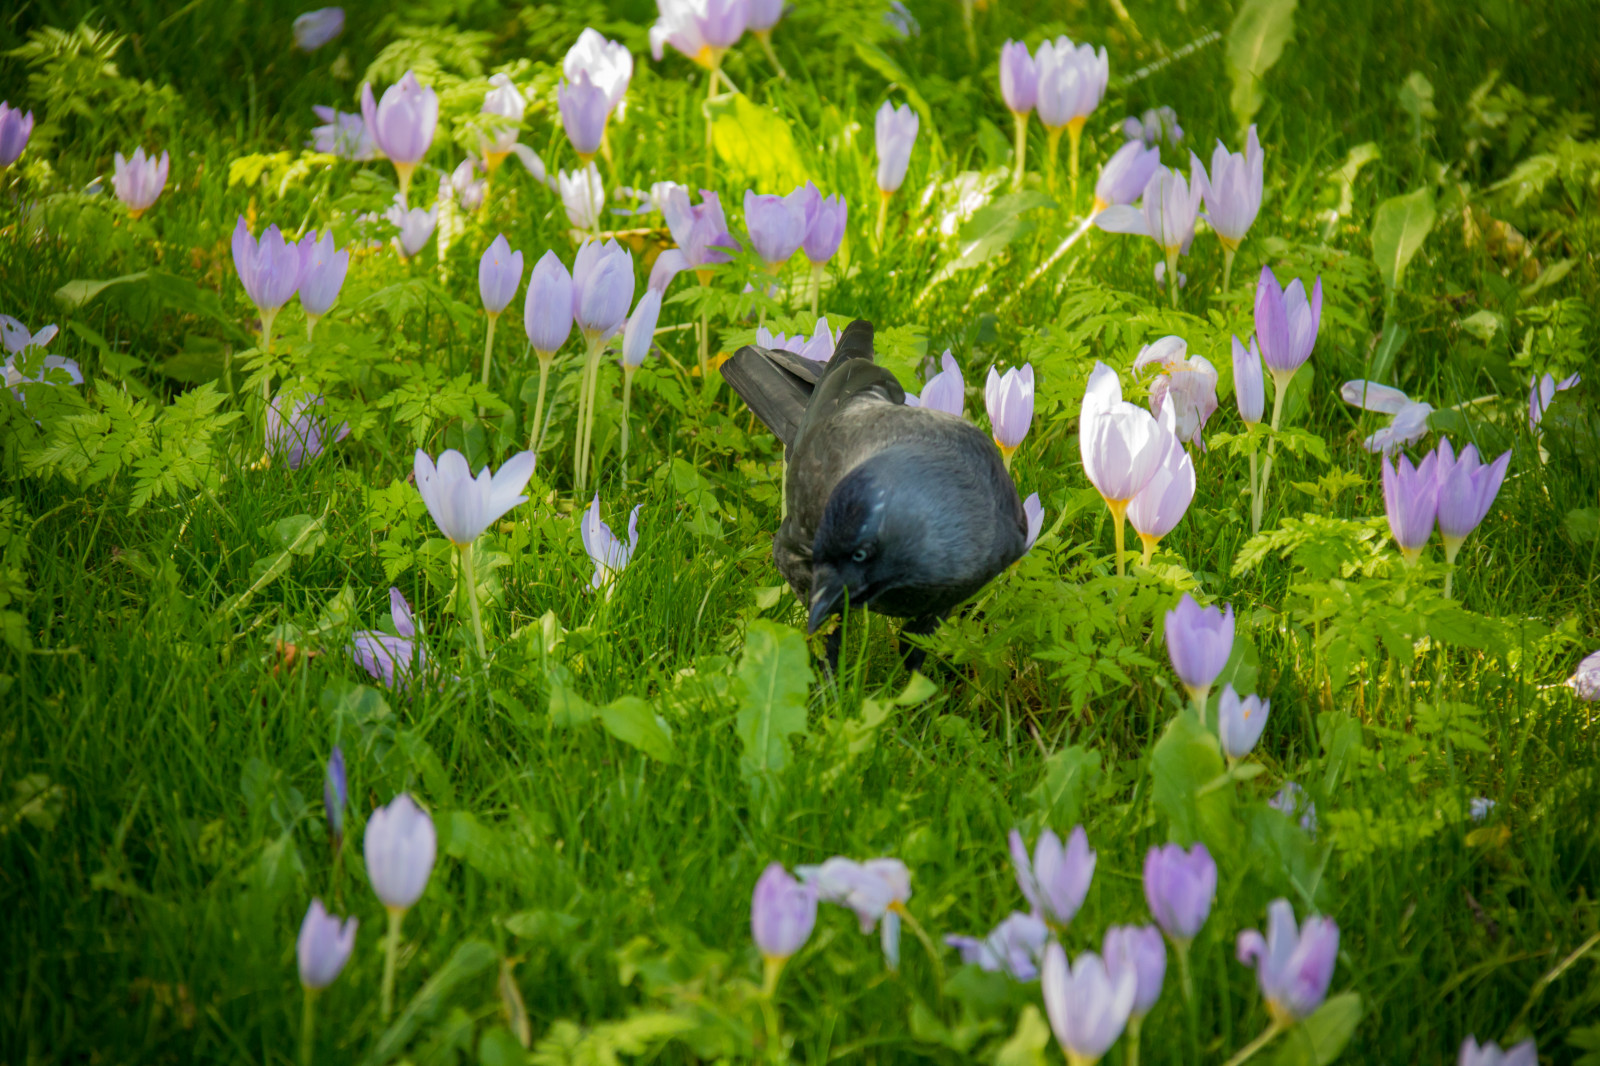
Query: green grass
151 906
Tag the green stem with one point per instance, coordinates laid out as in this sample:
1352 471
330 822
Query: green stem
1130 1047
1249 1050
1253 490
308 1015
593 361
927 941
1191 1008
765 37
267 318
536 437
1074 140
1172 276
391 948
705 347
771 970
1021 149
1198 697
1052 149
883 218
627 396
488 354
711 93
1227 266
311 328
468 575
1280 386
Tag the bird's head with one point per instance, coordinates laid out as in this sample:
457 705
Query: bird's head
869 540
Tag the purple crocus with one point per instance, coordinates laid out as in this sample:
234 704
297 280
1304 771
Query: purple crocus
946 391
505 102
390 658
1056 879
1124 176
1199 641
1138 948
399 845
608 64
1072 82
1286 324
1240 721
825 225
17 338
322 273
21 369
777 225
1249 383
1294 964
1409 421
499 274
1120 443
1156 126
1015 947
1585 680
668 265
316 28
1187 382
703 30
138 181
415 225
15 129
342 134
303 435
700 231
783 913
1087 1004
1009 399
602 288
609 552
583 196
585 107
1180 886
1019 80
1411 498
1156 509
463 506
335 794
1467 489
1542 390
1292 802
639 334
469 189
1033 514
876 890
1166 213
1475 1054
269 269
895 133
402 124
547 310
1233 190
323 946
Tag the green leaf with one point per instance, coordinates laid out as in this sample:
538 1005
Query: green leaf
1319 1039
1255 42
470 959
775 676
1183 762
548 927
567 708
1399 226
635 723
1027 1045
1069 776
756 146
462 836
498 1047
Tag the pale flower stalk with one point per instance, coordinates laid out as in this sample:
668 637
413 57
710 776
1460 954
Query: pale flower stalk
399 845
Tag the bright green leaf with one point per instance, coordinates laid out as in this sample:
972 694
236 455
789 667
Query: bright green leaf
635 723
775 676
1399 226
1255 42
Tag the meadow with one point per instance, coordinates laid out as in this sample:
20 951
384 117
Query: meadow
235 634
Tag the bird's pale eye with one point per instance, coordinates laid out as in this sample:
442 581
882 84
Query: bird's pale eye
860 555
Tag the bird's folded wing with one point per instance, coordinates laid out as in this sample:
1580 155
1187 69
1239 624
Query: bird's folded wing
776 384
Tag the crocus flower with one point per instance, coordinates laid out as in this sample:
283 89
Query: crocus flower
314 29
1286 324
507 103
582 196
1541 391
609 553
1033 512
946 391
1166 213
1120 443
1138 948
700 232
1010 403
1015 947
668 265
777 225
1411 498
877 890
1293 964
403 122
415 225
343 134
701 29
1233 190
335 792
1157 508
269 269
1249 384
301 437
1199 641
1160 273
547 311
1019 80
138 181
17 338
1480 807
1187 382
399 846
1156 125
51 370
323 946
1291 800
469 189
895 131
463 506
1585 680
608 64
1467 489
322 272
780 341
819 348
15 129
782 913
1072 81
1180 886
825 230
584 110
390 658
1410 417
499 274
1056 880
1088 1006
640 331
1240 721
1474 1054
602 288
1124 176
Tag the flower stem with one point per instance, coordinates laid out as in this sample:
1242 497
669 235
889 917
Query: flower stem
1254 491
1118 509
771 970
705 347
311 327
765 37
1280 387
402 173
1227 267
470 578
627 396
308 1015
711 93
883 218
1191 1008
1198 696
536 437
391 948
488 354
1074 140
1172 276
1021 151
1130 1047
592 366
927 944
817 270
1266 1037
267 319
1052 149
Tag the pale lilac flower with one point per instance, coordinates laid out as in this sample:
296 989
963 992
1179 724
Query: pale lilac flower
1156 509
1480 807
608 552
777 225
701 29
1233 190
780 341
322 273
415 225
1294 964
1409 422
1056 879
1411 498
1019 81
1585 680
1015 947
1033 512
1088 1007
608 64
1124 176
303 435
1291 800
1249 383
1166 214
819 348
602 288
701 232
1072 81
1199 641
584 109
499 275
946 391
469 189
668 265
825 230
403 122
1240 721
1474 1054
17 339
1155 126
1541 391
640 331
877 890
323 946
391 658
314 29
335 793
15 129
399 846
269 269
1286 324
1187 382
50 370
582 196
1138 948
1120 443
895 132
1467 489
1009 400
762 15
547 309
782 913
1159 272
139 180
505 102
463 506
343 134
901 20
1180 886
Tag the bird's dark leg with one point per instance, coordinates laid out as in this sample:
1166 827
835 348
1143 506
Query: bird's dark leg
911 654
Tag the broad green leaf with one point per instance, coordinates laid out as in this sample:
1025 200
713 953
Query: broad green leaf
470 959
1069 776
549 927
756 146
634 722
498 1047
1027 1045
1255 42
77 293
462 836
1319 1039
1399 227
1183 762
567 708
774 675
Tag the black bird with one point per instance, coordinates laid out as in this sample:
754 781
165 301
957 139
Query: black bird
905 510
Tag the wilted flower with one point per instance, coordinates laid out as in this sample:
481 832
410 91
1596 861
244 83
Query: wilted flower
777 225
1138 948
343 134
782 913
1411 498
269 269
1072 81
1240 721
1474 1054
701 232
1157 508
1410 417
582 196
138 181
1199 641
399 846
335 792
302 436
499 274
584 110
701 29
1293 964
15 129
1541 391
314 29
602 288
415 225
506 102
608 64
1033 512
1019 81
1010 403
322 273
1056 880
402 123
1088 1007
1124 176
946 391
469 189
18 339
547 310
391 658
1233 190
1585 680
825 228
895 131
877 890
323 946
1291 801
606 549
1180 886
1156 125
1015 947
1187 382
1467 489
1286 324
463 506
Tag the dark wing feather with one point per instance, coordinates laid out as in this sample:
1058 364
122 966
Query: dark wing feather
776 384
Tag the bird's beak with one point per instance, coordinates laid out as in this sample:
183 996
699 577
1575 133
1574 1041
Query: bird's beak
827 592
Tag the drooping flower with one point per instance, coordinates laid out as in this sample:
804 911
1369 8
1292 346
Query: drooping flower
1467 489
877 890
499 274
391 658
585 107
1033 512
1015 947
609 553
701 29
1286 324
1408 425
415 225
1156 126
1199 641
1157 508
1088 1006
323 946
314 29
335 793
506 102
1187 382
777 225
701 232
1543 390
1166 213
1019 80
1180 886
1474 1054
1138 948
1233 190
269 269
895 133
1056 879
343 134
139 180
15 129
463 506
399 846
1249 383
547 310
782 913
583 196
1240 721
608 64
946 391
1585 680
1009 399
602 288
825 230
1120 443
322 272
1072 81
1124 176
303 435
1411 498
1294 964
469 189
